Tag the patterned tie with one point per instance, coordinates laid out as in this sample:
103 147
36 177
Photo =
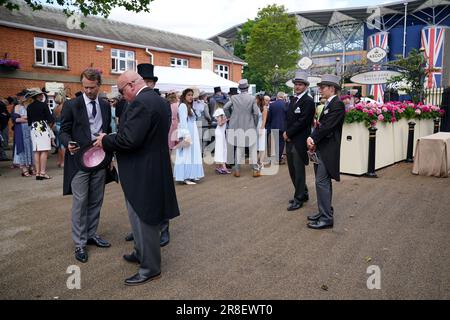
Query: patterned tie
94 109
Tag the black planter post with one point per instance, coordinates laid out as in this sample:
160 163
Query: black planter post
372 146
409 155
436 125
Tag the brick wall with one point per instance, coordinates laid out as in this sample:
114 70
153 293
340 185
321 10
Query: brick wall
19 45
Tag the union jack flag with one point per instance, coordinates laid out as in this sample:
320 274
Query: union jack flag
379 39
432 42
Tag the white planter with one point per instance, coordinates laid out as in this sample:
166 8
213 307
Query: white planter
354 149
384 151
400 134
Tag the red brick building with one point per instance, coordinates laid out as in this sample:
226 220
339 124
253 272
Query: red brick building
52 51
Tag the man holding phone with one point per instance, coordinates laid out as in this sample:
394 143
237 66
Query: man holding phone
82 119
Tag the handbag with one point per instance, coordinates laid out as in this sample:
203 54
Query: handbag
184 142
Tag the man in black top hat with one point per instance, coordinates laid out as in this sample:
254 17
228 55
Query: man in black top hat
145 70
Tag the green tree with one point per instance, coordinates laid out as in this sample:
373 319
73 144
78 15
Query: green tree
272 48
413 73
240 43
93 7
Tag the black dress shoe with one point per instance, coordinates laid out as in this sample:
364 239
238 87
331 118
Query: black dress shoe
81 254
137 279
295 206
129 237
304 198
320 224
131 258
314 217
99 242
165 238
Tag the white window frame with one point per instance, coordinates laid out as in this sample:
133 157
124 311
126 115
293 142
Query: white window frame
50 49
223 70
179 62
122 60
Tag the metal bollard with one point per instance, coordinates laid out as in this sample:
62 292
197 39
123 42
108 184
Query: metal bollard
436 125
409 154
372 146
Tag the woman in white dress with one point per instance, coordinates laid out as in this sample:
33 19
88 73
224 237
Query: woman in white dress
261 130
220 148
188 163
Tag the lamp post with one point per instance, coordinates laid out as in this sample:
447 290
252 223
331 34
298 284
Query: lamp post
422 77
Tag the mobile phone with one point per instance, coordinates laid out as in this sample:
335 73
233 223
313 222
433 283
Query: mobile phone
74 143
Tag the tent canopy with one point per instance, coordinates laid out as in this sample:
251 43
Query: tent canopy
181 78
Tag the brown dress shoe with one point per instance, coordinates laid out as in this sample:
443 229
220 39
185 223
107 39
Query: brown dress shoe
237 174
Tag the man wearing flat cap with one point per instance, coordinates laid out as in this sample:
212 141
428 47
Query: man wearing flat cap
325 141
299 118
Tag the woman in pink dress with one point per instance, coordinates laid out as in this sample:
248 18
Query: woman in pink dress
173 99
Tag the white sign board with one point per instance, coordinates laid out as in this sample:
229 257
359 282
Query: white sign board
376 54
304 63
374 77
54 87
208 60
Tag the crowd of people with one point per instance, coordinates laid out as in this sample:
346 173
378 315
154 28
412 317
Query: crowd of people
143 129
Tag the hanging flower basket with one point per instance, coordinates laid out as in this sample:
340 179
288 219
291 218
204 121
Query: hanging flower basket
9 64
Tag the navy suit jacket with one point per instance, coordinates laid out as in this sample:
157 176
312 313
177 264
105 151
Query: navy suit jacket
75 127
277 116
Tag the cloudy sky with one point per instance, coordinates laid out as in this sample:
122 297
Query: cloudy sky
206 18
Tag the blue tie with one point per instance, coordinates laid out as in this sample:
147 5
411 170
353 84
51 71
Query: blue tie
94 109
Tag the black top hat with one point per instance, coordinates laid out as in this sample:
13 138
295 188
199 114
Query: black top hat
233 91
90 158
217 89
22 93
79 93
145 70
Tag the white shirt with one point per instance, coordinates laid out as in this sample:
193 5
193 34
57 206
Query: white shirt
96 123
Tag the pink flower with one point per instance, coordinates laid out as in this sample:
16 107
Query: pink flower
380 117
384 109
418 111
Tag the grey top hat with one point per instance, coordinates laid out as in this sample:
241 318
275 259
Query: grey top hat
330 80
301 76
243 84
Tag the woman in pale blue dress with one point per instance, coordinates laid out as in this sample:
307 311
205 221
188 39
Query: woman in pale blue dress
23 147
188 162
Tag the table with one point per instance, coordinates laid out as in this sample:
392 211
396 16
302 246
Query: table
432 156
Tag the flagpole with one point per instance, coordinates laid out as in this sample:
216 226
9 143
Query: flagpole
404 29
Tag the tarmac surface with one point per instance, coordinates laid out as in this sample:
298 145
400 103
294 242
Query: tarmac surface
235 239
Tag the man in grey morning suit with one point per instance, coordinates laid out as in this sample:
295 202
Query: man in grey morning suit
325 140
82 119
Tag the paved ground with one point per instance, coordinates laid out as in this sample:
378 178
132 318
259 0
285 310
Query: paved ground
235 240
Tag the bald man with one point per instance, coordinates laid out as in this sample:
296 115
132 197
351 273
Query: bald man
142 151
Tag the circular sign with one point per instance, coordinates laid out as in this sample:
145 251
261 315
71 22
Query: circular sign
304 63
376 54
374 77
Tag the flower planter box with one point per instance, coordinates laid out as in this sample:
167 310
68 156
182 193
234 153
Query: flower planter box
354 149
400 134
384 151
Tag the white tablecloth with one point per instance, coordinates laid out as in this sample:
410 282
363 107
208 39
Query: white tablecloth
432 157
